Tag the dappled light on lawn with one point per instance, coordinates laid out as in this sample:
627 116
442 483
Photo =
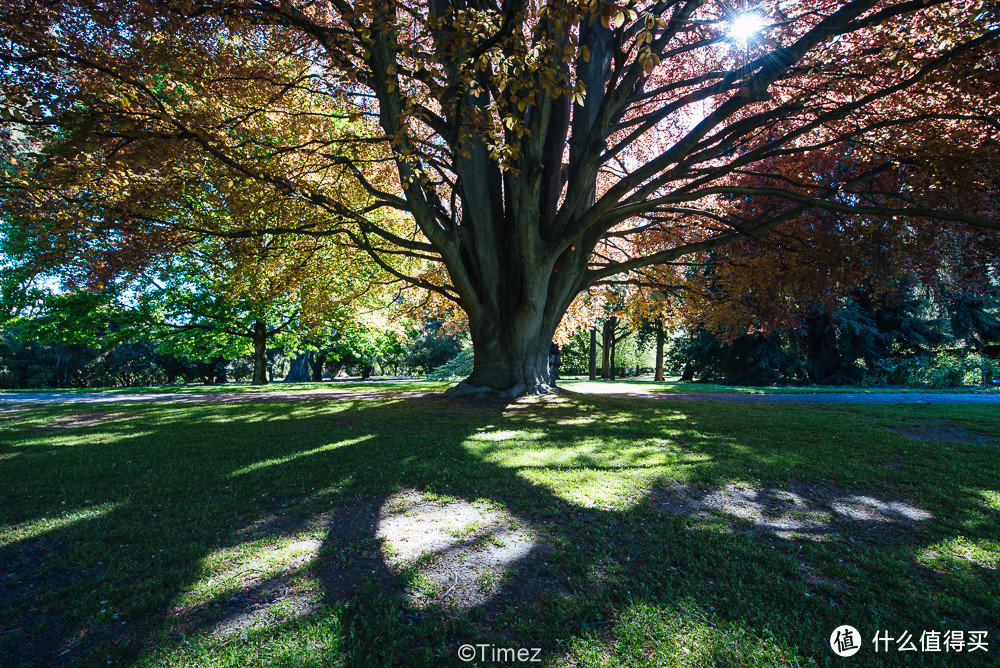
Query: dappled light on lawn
959 554
251 585
608 387
258 466
809 512
683 632
35 528
991 498
456 553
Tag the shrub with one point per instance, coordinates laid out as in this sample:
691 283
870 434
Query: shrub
459 366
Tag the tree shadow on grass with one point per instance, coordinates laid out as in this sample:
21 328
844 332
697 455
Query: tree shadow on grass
257 534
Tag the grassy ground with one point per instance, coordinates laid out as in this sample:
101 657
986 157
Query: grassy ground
389 531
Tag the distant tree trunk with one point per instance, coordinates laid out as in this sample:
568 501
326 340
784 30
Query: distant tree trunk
659 350
821 348
299 370
318 363
688 374
593 352
259 353
614 345
366 371
218 371
607 340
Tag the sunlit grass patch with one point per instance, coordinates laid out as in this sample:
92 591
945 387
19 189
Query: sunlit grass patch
306 643
961 552
991 498
229 570
675 634
259 466
618 490
32 529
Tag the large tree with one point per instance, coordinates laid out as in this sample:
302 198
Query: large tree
541 148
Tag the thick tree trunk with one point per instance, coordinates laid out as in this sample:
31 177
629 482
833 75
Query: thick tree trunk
659 350
299 370
510 357
614 344
259 353
317 367
511 367
593 352
607 338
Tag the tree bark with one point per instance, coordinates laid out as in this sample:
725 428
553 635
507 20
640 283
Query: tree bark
607 337
299 370
614 344
659 350
318 364
593 352
511 356
259 353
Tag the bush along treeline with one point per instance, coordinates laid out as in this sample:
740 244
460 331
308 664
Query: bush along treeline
898 339
78 339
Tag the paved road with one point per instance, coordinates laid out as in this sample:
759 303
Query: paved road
327 395
830 398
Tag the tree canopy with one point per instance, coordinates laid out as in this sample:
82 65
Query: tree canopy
528 151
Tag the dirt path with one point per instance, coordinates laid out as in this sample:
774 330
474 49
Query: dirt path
328 395
192 397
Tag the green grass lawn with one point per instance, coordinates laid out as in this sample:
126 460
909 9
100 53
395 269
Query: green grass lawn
389 531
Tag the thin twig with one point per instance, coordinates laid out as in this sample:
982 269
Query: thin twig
691 612
452 587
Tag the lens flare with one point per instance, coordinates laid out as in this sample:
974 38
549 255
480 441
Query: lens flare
745 26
